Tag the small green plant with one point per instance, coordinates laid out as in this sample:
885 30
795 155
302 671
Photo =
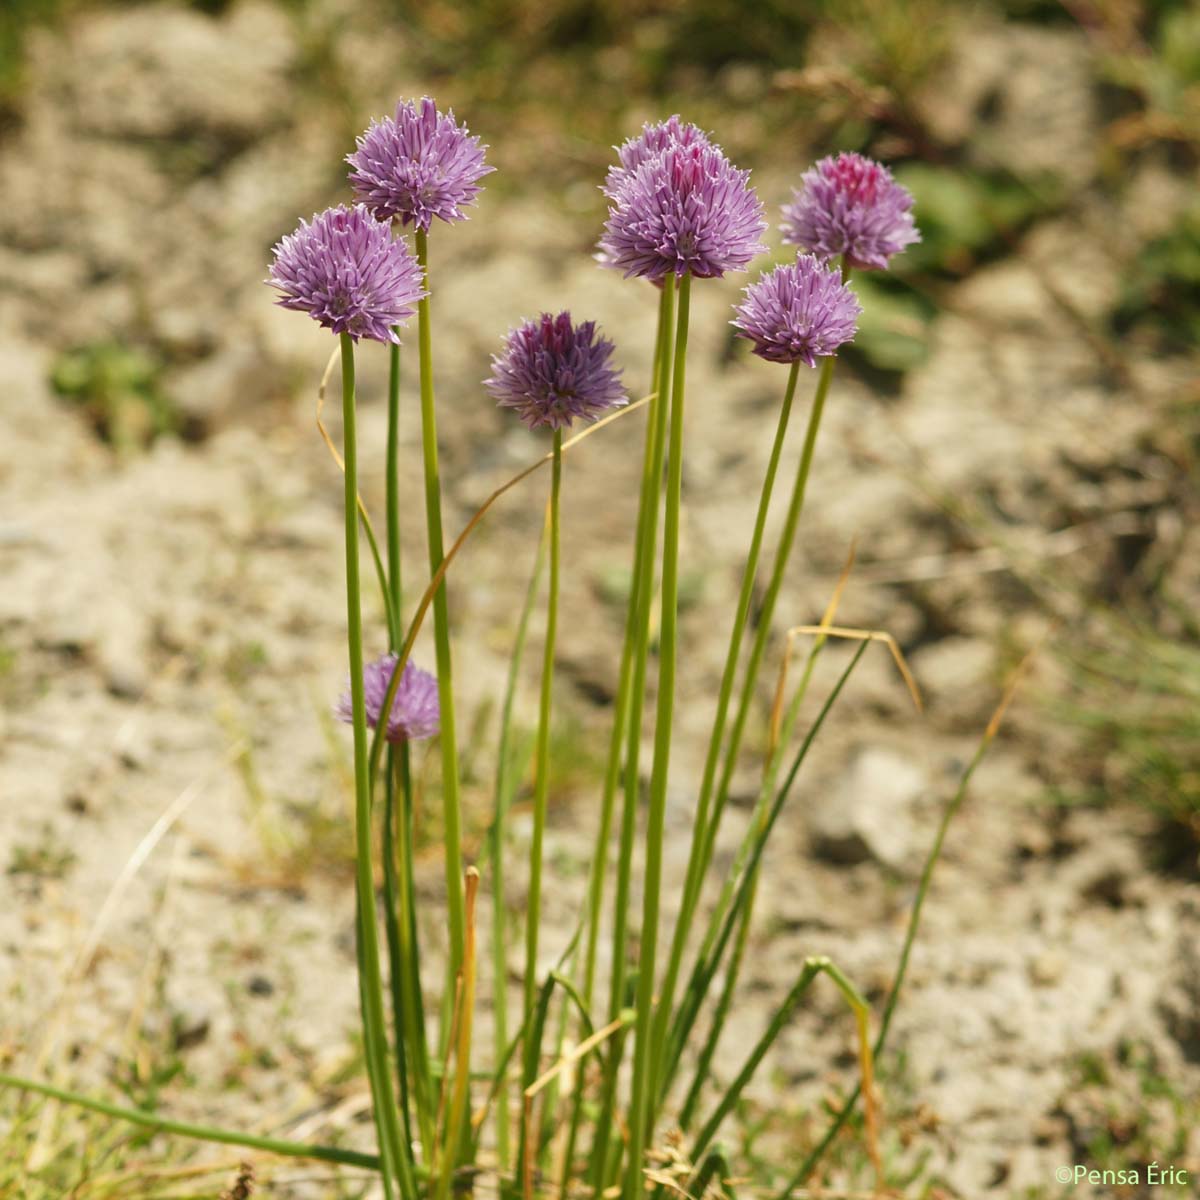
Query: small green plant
1161 291
46 858
1124 1114
119 389
1135 698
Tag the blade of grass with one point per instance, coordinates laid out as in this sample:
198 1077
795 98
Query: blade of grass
993 727
821 631
690 1002
204 1133
813 967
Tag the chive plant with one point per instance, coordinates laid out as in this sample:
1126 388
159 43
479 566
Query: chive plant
679 211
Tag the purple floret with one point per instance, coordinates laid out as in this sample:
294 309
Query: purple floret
553 373
686 210
851 205
798 313
417 166
414 713
347 272
652 141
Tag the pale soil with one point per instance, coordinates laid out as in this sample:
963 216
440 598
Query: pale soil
161 615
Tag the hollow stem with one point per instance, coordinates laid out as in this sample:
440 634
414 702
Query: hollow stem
456 1126
645 1055
643 561
393 493
643 554
602 1167
696 864
396 1157
411 1014
542 757
441 634
782 554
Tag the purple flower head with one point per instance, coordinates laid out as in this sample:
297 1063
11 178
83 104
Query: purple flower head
414 714
798 313
347 272
684 210
652 141
418 166
851 205
553 372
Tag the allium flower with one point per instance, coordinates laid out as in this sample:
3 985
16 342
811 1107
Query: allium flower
685 210
652 141
417 166
414 713
346 271
553 372
851 205
798 313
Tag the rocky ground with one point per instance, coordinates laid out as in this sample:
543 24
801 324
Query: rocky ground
171 622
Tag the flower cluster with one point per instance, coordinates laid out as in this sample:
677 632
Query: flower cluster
347 272
684 209
850 205
798 313
414 713
554 372
417 166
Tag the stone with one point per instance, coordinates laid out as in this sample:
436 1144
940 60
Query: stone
871 812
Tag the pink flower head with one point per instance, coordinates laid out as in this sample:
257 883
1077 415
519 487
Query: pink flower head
851 205
685 210
554 372
414 713
798 313
348 273
417 166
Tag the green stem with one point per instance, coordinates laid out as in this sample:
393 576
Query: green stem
204 1133
647 498
717 917
396 956
374 1033
641 1113
757 822
702 976
407 1002
441 634
697 864
393 494
542 757
731 1094
504 789
398 966
813 967
603 1166
724 1004
762 632
644 595
412 1012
